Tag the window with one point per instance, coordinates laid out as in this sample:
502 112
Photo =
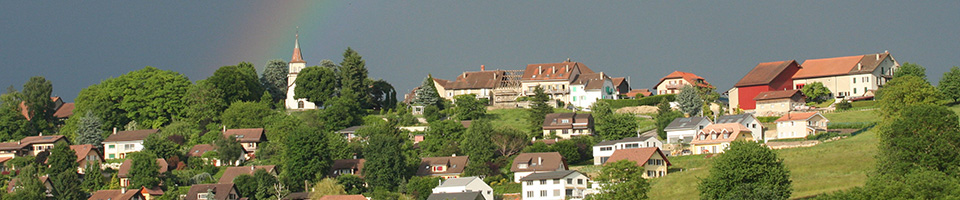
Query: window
529 182
565 121
569 181
543 182
556 181
543 193
529 193
111 146
299 104
854 81
630 146
854 89
604 159
606 148
202 196
556 193
112 156
574 97
522 166
579 181
565 131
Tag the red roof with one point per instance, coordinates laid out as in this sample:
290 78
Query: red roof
554 71
764 73
634 92
689 77
297 58
797 116
734 129
840 65
343 197
65 110
246 134
776 94
639 155
82 151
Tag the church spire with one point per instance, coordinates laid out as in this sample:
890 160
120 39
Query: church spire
297 58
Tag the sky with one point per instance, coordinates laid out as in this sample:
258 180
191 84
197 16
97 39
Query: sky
76 44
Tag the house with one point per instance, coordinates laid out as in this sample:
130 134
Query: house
767 76
566 125
672 83
683 129
650 158
554 78
233 172
555 185
86 154
31 145
121 194
480 83
118 144
464 185
45 180
529 163
633 93
800 125
248 137
850 76
212 192
124 172
603 150
621 85
747 120
151 193
716 138
201 149
444 167
344 197
456 196
771 103
62 110
350 132
347 166
587 88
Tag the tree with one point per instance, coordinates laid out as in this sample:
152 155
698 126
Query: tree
816 92
420 187
664 116
343 112
274 79
205 103
89 130
538 110
950 84
266 184
307 161
689 100
238 82
62 159
426 94
351 183
317 85
229 149
36 97
904 91
161 146
13 126
246 185
442 138
382 95
353 75
508 140
92 178
327 186
933 144
748 170
144 171
385 168
246 115
66 187
911 69
468 107
613 126
150 96
29 185
622 180
477 144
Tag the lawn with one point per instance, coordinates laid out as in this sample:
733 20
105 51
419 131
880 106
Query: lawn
853 116
516 118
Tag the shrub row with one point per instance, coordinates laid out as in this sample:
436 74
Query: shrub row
850 125
768 119
645 101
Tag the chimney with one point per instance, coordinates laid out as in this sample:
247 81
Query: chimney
601 75
568 59
878 56
114 130
354 156
252 168
554 69
123 190
539 160
224 128
539 69
439 181
556 139
482 68
454 155
41 133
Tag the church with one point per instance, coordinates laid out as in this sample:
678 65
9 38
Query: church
296 64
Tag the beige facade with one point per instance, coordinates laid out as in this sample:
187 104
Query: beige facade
655 167
671 86
777 106
557 90
800 126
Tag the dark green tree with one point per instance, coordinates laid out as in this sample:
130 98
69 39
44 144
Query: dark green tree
816 92
904 91
246 115
664 116
427 94
933 144
161 146
343 112
613 126
468 107
477 144
66 187
538 111
382 95
385 168
265 184
93 179
950 84
622 180
13 126
352 184
353 75
89 130
317 85
507 140
911 69
144 170
274 79
748 170
62 159
442 138
689 100
36 97
229 149
246 186
238 82
150 96
420 187
29 185
307 160
204 102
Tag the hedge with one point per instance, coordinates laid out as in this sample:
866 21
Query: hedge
768 119
645 101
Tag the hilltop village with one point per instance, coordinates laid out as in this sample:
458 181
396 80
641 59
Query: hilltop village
549 130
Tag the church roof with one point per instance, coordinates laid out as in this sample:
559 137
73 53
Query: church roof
297 58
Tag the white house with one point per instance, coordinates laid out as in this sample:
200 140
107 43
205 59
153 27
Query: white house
586 89
465 184
748 120
603 150
558 185
685 128
799 125
296 64
120 143
849 76
553 78
529 163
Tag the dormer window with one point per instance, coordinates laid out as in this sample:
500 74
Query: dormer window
565 121
522 166
726 135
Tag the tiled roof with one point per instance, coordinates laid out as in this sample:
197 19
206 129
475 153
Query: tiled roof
548 175
65 110
797 116
442 82
551 161
221 191
200 149
233 172
130 135
776 94
840 65
764 73
734 129
462 181
455 165
638 155
577 120
592 81
685 123
456 196
82 151
247 134
297 57
617 81
124 170
643 137
343 197
114 195
734 118
553 71
352 129
634 92
355 164
476 80
689 77
43 139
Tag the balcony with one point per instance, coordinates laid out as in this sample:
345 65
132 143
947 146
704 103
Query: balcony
674 86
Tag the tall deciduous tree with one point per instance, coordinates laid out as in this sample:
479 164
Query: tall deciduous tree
689 100
622 180
246 115
204 103
161 146
538 111
442 138
62 159
427 94
468 107
351 183
238 82
386 166
307 161
816 92
274 79
933 144
327 186
266 184
66 187
13 126
343 112
36 97
144 170
246 186
748 170
382 95
420 187
93 178
353 75
613 126
317 84
150 96
904 91
89 130
229 149
911 69
508 141
29 186
950 84
477 144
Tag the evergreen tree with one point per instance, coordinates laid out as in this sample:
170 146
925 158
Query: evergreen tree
89 130
36 97
246 186
427 94
689 100
274 78
950 84
92 178
386 166
748 170
353 75
538 111
66 187
665 115
265 184
62 159
29 185
317 85
477 144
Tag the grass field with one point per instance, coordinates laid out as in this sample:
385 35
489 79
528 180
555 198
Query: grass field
853 116
517 118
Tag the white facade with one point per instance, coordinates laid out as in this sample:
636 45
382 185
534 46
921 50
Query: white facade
295 67
465 184
686 134
120 149
602 152
573 186
584 98
854 85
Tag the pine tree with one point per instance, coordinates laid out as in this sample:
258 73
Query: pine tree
385 168
274 79
538 111
353 75
89 130
92 178
427 94
29 185
62 159
689 100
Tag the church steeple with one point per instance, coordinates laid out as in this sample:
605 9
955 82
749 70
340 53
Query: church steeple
297 58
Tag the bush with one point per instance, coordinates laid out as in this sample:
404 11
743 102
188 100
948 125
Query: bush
823 136
768 119
850 125
645 101
844 105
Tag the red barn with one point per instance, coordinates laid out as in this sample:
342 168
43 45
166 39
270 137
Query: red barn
764 77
